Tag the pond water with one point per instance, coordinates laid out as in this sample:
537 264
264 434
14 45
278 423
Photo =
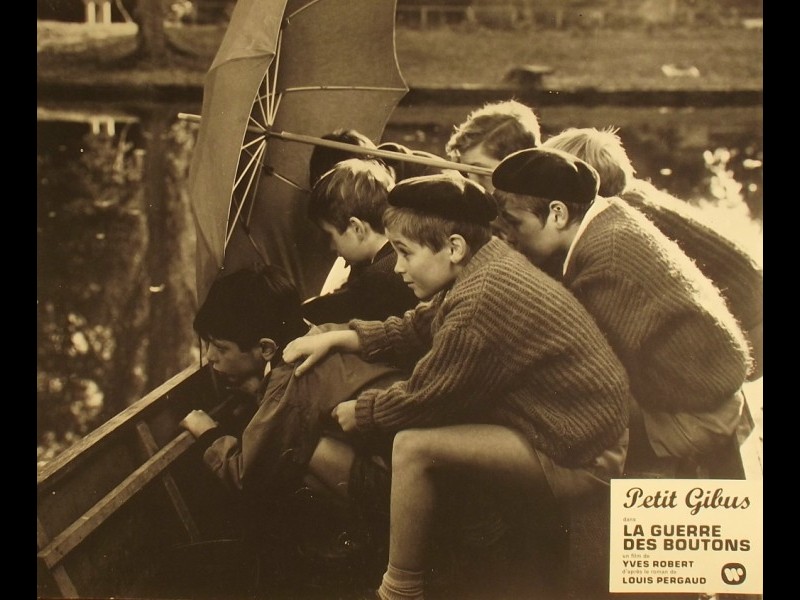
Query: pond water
115 237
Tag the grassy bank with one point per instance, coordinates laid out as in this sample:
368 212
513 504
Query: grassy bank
725 58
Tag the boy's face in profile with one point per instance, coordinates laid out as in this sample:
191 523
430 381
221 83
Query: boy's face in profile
346 244
536 240
478 157
426 272
237 368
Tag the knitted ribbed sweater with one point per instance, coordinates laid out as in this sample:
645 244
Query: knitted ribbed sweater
669 325
505 344
733 271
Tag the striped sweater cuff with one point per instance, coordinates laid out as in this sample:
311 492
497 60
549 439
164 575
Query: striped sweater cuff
365 410
371 336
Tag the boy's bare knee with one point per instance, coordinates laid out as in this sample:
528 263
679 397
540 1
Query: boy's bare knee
411 449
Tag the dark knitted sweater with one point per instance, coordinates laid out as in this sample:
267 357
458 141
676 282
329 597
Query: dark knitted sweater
505 344
669 325
739 279
373 292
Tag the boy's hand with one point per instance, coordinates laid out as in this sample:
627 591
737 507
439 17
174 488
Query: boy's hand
317 329
311 347
345 414
197 423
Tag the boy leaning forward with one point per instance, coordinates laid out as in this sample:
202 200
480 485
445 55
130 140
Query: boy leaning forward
512 380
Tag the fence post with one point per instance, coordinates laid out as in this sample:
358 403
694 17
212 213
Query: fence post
91 16
106 8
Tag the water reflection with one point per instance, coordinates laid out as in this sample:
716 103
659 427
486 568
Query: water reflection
115 238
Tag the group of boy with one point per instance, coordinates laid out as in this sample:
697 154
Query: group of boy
450 355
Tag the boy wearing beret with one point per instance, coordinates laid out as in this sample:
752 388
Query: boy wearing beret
512 380
737 276
685 355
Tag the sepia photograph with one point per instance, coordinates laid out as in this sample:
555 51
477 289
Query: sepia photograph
399 299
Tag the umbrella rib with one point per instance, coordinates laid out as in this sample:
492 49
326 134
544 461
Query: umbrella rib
277 104
258 100
289 182
257 140
256 156
301 9
338 88
258 126
255 176
272 109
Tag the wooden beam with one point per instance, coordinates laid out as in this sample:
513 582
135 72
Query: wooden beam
72 458
59 573
151 447
73 535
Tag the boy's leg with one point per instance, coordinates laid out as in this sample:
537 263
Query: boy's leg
488 451
331 463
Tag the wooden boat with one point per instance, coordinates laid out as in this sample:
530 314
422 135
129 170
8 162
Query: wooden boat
131 511
115 509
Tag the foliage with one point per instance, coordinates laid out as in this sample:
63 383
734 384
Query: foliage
92 209
95 250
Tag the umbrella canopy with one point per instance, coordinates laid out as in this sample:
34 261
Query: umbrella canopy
303 66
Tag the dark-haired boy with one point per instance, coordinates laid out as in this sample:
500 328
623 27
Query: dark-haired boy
496 343
246 321
347 203
683 350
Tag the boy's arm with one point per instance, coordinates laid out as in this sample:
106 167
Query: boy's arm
399 340
453 381
222 453
313 348
373 296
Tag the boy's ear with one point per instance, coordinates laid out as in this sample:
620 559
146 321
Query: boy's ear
359 226
458 248
268 348
560 213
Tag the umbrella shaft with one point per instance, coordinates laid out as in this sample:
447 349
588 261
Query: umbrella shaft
316 141
421 160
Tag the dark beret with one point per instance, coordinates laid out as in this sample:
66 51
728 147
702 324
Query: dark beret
547 173
452 197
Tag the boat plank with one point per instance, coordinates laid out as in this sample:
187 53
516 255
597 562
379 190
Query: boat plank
73 457
73 535
169 484
59 573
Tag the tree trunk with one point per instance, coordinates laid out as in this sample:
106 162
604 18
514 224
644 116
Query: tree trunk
169 265
151 37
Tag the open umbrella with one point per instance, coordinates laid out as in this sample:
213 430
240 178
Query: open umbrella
286 73
304 66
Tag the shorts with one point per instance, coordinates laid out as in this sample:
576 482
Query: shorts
571 482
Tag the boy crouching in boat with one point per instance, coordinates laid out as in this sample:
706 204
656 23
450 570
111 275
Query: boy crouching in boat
347 203
246 321
683 350
498 344
732 270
